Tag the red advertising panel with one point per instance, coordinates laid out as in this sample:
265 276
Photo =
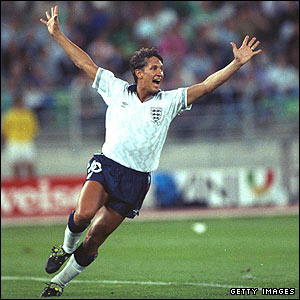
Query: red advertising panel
39 197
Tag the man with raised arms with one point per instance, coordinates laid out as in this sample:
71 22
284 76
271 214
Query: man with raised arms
137 120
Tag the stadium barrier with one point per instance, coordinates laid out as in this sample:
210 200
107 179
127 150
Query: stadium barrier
224 187
55 196
44 196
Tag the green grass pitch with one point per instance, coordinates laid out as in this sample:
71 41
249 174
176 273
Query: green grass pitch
163 260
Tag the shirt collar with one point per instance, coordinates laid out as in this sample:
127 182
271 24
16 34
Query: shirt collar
133 87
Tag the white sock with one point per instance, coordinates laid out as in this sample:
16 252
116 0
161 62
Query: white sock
71 240
71 270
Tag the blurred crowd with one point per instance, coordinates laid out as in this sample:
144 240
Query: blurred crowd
193 37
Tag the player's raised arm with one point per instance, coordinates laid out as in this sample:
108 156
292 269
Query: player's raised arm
80 58
241 56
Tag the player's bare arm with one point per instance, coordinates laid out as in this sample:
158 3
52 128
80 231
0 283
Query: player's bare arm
241 56
80 58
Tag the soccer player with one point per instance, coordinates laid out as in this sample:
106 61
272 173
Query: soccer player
19 127
137 121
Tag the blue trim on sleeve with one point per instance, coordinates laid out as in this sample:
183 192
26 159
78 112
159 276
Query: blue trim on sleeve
98 78
183 99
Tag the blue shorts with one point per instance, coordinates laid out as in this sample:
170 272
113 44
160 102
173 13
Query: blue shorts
127 187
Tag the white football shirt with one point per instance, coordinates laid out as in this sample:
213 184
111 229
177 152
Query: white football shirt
136 131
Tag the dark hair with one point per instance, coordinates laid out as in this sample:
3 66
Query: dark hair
140 59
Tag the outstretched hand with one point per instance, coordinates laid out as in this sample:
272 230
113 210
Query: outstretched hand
52 23
246 51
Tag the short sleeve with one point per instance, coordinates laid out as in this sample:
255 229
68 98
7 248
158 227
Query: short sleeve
178 101
108 86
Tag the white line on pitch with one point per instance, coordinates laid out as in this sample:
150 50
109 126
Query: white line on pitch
44 279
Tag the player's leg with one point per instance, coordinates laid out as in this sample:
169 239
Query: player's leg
106 221
14 158
17 170
30 169
29 156
91 198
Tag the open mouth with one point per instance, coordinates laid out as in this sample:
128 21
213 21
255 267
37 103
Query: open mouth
156 82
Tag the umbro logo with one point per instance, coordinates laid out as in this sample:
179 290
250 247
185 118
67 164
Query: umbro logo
124 104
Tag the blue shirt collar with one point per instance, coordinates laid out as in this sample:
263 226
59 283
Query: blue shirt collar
133 87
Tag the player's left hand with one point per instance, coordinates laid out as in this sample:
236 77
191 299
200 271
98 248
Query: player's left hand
246 51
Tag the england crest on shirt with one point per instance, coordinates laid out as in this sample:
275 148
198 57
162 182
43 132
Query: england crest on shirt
156 114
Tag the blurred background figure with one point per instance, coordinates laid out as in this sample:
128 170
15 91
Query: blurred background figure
19 127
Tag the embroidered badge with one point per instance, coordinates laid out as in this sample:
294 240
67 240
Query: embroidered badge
156 114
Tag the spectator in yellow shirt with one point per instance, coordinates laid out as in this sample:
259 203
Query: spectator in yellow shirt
19 126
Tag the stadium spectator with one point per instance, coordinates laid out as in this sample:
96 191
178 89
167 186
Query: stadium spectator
19 127
173 44
282 77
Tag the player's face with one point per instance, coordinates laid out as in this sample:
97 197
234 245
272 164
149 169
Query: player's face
152 75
